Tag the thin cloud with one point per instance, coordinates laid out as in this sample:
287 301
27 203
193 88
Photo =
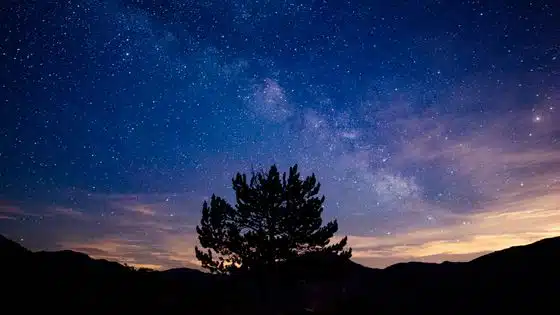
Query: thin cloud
69 212
12 211
169 252
499 226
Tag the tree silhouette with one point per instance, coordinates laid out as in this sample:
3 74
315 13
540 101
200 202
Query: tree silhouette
275 218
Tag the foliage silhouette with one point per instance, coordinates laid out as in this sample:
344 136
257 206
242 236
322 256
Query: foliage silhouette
275 218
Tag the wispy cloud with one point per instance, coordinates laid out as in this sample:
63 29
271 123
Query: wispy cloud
512 161
10 212
497 227
70 212
166 252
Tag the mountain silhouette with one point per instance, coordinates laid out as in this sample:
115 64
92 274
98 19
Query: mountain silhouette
520 279
11 249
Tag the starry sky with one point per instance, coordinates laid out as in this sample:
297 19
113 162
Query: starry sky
432 125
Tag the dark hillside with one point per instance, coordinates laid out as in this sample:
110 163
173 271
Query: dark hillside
518 279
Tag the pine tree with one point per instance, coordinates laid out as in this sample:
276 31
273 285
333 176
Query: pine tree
275 218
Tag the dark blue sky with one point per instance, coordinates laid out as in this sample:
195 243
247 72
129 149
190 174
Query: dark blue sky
415 115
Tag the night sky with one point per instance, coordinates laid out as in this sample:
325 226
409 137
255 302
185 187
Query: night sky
433 126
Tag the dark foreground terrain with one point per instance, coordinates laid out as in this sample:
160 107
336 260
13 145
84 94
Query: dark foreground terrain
518 280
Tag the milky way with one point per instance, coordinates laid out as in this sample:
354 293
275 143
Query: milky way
432 127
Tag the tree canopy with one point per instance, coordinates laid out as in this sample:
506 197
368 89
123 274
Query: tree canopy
275 218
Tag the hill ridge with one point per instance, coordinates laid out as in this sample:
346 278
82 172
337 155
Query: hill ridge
555 241
510 279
